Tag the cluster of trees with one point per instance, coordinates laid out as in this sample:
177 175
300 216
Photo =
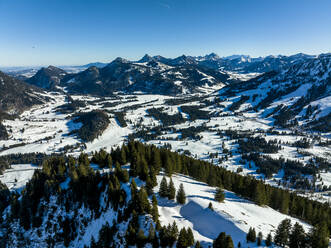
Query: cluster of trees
279 199
86 186
268 166
166 119
195 112
295 236
120 117
303 143
236 105
94 123
71 106
258 144
3 132
223 241
192 132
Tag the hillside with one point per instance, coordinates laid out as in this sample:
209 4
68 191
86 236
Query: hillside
47 78
96 202
17 96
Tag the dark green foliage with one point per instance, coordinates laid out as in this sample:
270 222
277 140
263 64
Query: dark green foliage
181 196
251 235
195 113
106 235
268 241
102 158
4 197
171 190
297 237
320 236
120 117
259 238
185 238
236 105
94 123
219 195
165 119
168 235
258 144
283 233
223 241
163 192
3 132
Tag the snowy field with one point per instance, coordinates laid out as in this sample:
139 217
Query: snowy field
45 129
234 216
17 176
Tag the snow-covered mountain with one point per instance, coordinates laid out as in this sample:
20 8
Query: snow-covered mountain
47 78
147 75
298 93
17 96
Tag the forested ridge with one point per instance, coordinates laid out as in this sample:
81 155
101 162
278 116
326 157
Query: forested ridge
86 187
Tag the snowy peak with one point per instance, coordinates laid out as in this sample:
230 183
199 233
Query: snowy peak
47 78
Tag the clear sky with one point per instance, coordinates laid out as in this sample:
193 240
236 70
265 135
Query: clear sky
70 32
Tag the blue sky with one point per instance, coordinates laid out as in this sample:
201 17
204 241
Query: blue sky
68 32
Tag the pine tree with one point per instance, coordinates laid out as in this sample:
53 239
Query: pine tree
181 197
239 245
320 236
149 186
190 237
210 206
171 190
282 233
297 237
251 235
123 156
155 211
223 241
259 238
268 241
141 238
259 195
163 192
219 195
197 244
182 239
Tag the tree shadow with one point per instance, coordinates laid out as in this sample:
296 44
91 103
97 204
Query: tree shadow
209 223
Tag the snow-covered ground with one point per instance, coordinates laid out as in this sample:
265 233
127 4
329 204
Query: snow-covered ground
17 176
45 129
234 216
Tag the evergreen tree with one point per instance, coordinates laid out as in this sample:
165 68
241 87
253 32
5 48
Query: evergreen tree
297 237
268 241
197 244
182 239
282 233
251 235
163 192
149 186
259 194
259 238
210 206
223 241
190 237
320 236
155 211
141 238
123 156
219 195
239 245
181 196
171 190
